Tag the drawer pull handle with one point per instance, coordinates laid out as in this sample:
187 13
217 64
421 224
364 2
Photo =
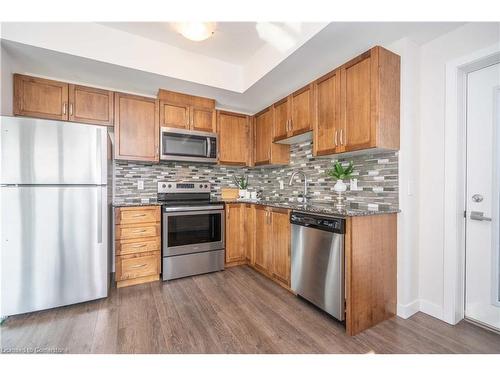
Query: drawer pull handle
140 231
139 266
138 215
140 245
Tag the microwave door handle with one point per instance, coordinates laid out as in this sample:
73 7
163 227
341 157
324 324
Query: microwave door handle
209 147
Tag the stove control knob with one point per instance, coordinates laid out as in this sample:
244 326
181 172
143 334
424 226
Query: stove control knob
206 186
201 186
169 185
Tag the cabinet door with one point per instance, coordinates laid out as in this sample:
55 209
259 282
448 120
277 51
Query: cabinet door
356 79
250 233
280 240
203 119
234 138
301 111
262 238
327 119
90 105
136 128
174 115
263 134
235 233
281 119
42 98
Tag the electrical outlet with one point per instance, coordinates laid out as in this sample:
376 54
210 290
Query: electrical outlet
140 185
282 185
353 186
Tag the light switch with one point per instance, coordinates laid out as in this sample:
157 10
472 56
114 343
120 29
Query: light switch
353 186
140 184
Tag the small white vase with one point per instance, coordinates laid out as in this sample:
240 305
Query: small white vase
340 186
242 193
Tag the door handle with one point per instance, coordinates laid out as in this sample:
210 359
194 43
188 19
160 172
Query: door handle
336 138
479 216
341 136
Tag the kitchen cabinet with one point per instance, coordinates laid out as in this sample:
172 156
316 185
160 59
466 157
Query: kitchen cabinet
266 152
272 243
235 234
44 98
136 128
137 245
280 246
90 105
357 105
262 239
370 100
370 266
250 233
327 126
188 112
293 115
235 141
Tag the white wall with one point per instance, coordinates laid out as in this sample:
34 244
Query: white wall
433 57
6 84
408 293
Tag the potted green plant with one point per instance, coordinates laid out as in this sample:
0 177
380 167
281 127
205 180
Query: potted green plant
340 173
242 183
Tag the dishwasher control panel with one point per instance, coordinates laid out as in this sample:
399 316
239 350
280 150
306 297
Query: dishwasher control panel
327 223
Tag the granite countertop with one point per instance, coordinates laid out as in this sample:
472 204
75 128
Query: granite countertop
317 208
312 207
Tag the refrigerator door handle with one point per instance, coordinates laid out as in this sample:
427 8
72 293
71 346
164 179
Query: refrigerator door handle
99 154
99 216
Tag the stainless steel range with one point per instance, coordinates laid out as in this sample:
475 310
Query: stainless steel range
193 229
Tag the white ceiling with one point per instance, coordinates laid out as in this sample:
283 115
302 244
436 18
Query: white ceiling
327 49
233 42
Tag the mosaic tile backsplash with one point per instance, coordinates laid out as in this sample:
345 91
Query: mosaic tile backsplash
376 174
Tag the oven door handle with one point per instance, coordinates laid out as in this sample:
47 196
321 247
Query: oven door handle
177 211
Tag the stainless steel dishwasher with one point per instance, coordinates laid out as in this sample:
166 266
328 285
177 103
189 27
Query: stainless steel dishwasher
318 261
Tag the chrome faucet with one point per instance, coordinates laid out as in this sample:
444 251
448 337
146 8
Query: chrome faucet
305 183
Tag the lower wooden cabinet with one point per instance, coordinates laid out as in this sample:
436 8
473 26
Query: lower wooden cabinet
235 234
268 237
137 245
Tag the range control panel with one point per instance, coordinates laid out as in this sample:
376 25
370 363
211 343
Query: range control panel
183 187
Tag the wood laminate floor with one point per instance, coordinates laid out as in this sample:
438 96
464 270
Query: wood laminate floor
235 311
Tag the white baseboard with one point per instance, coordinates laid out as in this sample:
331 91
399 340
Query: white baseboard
405 311
432 309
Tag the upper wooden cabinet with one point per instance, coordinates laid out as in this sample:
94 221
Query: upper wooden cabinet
90 105
327 126
293 115
186 111
267 152
137 128
44 98
370 100
234 132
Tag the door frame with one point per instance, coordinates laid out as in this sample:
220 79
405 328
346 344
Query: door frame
455 178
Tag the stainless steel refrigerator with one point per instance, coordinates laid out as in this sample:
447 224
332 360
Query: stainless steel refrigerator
54 225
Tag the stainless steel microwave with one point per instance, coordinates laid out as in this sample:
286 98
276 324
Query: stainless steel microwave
187 145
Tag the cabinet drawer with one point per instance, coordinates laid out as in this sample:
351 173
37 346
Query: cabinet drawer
133 246
137 231
136 215
131 267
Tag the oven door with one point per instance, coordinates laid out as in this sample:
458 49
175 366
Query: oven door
187 145
189 232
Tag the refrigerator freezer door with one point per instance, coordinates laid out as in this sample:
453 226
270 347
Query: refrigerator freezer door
52 152
54 246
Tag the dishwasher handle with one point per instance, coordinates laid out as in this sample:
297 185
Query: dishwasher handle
325 223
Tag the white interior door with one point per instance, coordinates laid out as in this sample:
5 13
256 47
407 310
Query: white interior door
482 285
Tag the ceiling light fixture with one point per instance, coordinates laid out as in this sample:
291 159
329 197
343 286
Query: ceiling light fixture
196 31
